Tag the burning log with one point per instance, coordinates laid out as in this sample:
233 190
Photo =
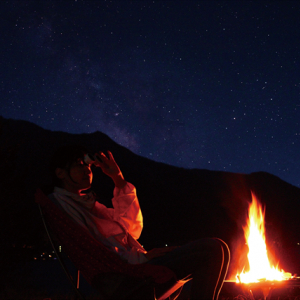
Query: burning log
262 290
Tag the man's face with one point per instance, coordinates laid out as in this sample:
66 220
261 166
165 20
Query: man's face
79 178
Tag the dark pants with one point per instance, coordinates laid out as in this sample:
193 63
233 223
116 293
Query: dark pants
206 260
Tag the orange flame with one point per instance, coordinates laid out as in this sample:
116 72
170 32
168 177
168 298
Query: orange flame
260 267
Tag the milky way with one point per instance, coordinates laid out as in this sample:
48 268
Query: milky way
195 84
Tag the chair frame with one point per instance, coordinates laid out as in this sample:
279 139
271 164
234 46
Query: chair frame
74 284
174 287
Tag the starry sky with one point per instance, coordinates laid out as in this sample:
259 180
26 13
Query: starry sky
196 84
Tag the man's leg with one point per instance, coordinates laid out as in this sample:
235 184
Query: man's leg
204 259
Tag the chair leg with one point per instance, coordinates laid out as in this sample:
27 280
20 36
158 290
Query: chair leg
78 279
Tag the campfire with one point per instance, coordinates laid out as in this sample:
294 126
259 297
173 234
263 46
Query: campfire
260 267
261 277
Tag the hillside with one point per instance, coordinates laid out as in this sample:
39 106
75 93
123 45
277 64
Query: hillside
178 204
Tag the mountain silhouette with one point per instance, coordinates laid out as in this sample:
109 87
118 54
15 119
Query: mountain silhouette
178 204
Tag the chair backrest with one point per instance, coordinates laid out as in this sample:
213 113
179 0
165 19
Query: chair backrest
88 254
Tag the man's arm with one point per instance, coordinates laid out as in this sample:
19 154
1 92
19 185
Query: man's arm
156 252
126 205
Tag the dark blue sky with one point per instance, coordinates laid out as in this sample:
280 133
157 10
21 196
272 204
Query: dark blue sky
196 84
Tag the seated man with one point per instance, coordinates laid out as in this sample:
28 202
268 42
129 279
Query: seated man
119 228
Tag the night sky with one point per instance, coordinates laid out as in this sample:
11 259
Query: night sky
197 84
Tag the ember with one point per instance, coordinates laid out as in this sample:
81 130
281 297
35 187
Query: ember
260 267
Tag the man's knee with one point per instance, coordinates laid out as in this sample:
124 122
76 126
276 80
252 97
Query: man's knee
217 251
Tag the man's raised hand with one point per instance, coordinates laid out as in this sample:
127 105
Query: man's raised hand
109 167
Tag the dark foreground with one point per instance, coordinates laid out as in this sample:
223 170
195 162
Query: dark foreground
35 284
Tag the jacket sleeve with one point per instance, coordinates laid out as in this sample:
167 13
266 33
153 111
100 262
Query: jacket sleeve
127 210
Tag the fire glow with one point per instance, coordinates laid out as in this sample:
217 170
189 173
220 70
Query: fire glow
260 267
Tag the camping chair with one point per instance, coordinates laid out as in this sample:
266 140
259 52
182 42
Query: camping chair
104 270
